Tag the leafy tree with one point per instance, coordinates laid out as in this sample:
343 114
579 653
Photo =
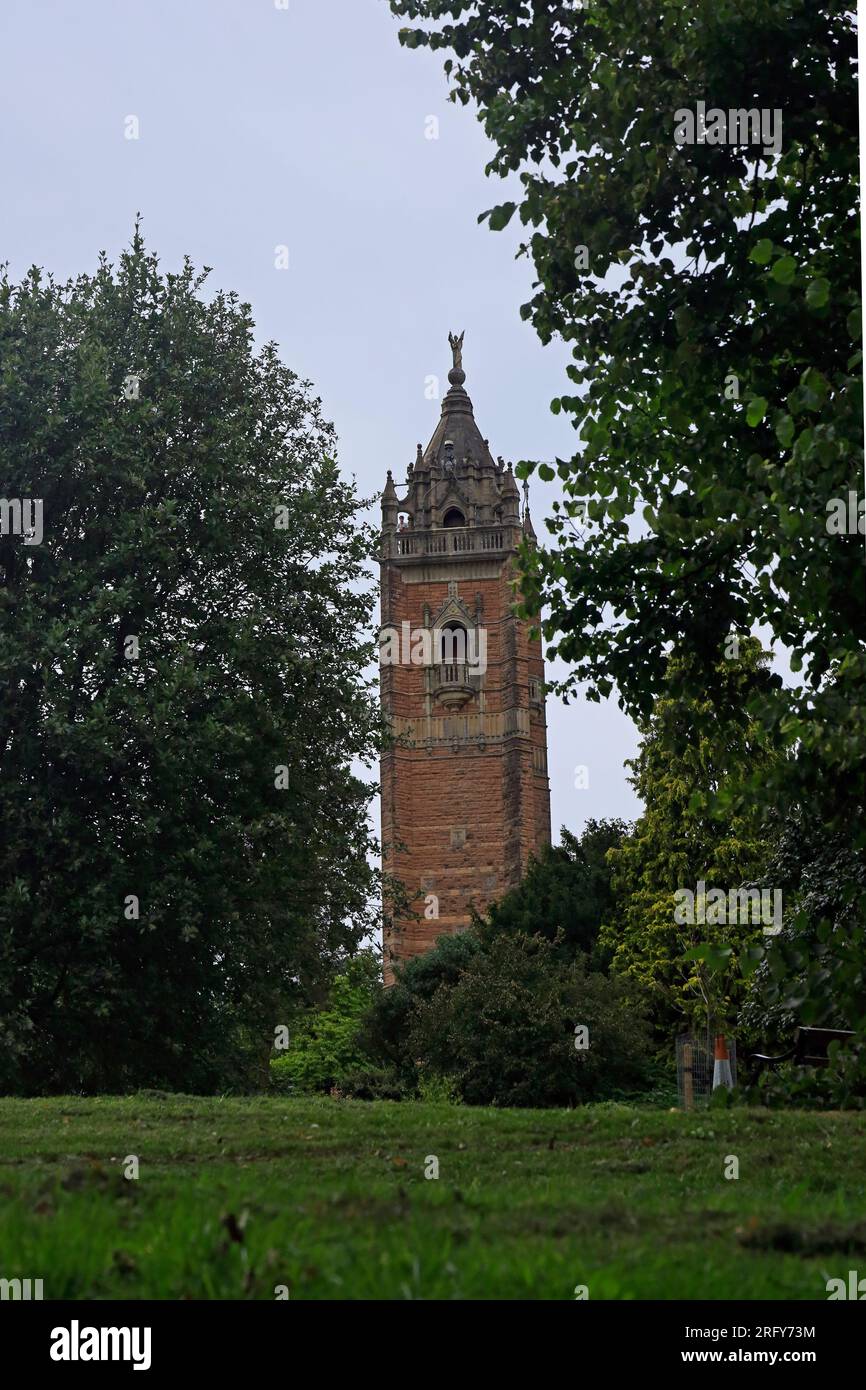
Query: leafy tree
814 972
711 292
324 1044
815 969
184 849
504 1032
684 838
566 892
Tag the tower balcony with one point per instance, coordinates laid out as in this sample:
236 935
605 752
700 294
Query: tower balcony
452 683
452 540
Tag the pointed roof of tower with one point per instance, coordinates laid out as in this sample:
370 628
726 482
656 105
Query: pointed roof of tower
457 421
528 528
509 487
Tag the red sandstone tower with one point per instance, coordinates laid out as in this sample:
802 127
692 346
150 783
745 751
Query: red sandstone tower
465 795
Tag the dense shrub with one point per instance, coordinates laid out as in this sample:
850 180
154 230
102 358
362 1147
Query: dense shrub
370 1083
503 1033
387 1025
839 1085
324 1046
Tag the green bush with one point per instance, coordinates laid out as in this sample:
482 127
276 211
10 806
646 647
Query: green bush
503 1033
371 1083
387 1025
434 1089
841 1085
324 1044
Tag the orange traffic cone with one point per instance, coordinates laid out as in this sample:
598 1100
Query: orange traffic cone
722 1064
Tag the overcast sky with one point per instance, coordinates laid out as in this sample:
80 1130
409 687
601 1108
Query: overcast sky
306 127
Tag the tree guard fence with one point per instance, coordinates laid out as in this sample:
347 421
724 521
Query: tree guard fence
695 1064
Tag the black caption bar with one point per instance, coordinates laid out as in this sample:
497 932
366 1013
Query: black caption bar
152 1339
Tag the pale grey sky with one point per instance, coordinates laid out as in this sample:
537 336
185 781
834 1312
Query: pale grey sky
303 127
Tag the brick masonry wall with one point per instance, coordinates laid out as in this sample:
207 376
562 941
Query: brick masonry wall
461 814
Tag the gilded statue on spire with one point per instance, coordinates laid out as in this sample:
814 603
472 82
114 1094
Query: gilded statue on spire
457 349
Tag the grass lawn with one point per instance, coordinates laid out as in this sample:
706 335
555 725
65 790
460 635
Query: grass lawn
237 1196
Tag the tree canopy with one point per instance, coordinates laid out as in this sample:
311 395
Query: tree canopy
182 664
711 295
565 893
683 839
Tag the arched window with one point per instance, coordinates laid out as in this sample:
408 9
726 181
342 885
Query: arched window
452 644
453 517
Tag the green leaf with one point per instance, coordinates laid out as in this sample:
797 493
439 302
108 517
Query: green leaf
757 409
500 216
817 293
784 270
714 957
750 959
762 252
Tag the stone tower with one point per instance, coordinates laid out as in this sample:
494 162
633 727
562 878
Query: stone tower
465 795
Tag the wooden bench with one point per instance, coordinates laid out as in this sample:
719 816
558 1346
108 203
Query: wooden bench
809 1050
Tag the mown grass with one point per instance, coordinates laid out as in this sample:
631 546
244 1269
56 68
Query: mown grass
329 1198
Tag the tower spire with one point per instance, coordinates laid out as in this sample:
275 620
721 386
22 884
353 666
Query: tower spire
457 425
